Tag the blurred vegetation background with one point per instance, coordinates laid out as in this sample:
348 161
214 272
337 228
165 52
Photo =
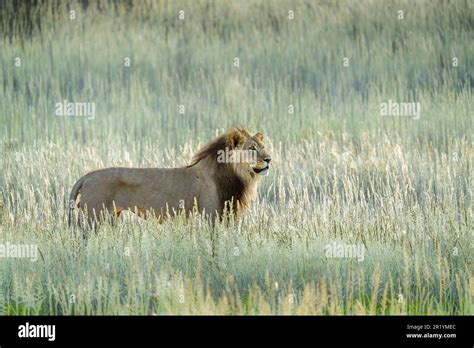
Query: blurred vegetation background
190 62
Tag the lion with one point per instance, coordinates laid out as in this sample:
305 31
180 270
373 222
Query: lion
222 176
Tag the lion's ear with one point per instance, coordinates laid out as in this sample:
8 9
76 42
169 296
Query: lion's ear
258 136
234 139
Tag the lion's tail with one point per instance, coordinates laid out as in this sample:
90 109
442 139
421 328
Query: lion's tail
72 199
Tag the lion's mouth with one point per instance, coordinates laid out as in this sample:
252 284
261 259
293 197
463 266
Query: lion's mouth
262 171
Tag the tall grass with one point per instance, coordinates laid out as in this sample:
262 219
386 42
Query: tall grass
398 186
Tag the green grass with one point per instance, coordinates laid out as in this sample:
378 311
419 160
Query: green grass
400 187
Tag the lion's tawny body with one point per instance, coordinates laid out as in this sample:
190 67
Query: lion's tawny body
205 186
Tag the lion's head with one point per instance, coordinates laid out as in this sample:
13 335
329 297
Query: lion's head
239 149
246 153
237 159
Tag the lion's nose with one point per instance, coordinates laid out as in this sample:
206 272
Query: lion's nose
267 159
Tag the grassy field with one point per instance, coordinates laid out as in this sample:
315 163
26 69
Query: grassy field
397 188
